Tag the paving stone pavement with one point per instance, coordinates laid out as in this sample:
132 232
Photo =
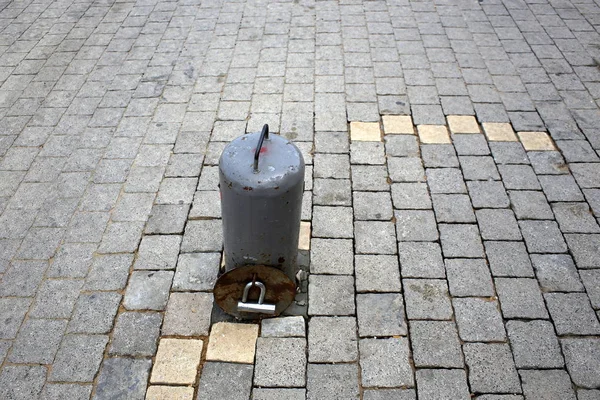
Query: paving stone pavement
451 213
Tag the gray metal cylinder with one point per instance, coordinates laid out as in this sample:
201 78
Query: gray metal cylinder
261 208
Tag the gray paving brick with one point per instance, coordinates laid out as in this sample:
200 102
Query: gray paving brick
591 281
375 273
370 177
585 249
406 169
216 383
274 394
380 314
22 278
391 394
331 256
488 194
418 225
547 162
478 320
123 377
22 381
332 166
280 362
375 237
534 344
334 222
584 394
158 252
442 383
581 355
421 260
572 314
587 175
372 205
196 271
148 290
551 384
542 237
460 240
520 298
519 177
556 273
331 295
427 299
508 259
370 153
593 198
332 339
38 341
575 218
136 334
469 277
498 224
94 312
109 272
204 235
445 180
401 146
453 208
283 327
435 344
332 192
491 368
78 358
385 363
59 391
439 156
508 153
411 196
530 205
56 298
332 381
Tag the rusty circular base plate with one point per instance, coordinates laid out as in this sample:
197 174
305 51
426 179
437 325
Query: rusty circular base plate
229 288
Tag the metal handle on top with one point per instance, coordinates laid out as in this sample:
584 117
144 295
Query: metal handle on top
263 135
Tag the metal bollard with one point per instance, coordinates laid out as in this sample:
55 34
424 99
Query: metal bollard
261 179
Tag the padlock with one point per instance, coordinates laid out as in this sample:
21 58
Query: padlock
258 307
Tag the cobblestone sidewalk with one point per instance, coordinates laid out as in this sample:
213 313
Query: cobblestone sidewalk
450 219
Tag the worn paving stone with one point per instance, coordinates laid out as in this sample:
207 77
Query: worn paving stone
331 295
572 314
530 205
196 271
585 249
12 312
38 341
332 381
445 180
534 344
498 224
469 277
123 377
225 381
581 355
158 252
427 299
109 272
508 259
442 383
560 188
331 256
204 235
439 156
332 222
148 290
372 206
478 319
392 394
542 237
385 363
274 394
94 312
188 314
66 391
415 225
374 237
136 334
283 327
549 384
575 218
280 362
332 339
421 260
406 169
380 314
556 273
520 298
491 368
411 195
435 344
22 381
332 192
376 273
454 208
591 281
78 358
460 240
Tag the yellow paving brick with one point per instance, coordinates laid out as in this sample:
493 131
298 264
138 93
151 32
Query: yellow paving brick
398 124
304 239
499 132
463 124
536 141
177 361
365 131
232 342
433 134
170 393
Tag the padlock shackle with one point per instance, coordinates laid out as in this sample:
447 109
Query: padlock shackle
263 135
261 286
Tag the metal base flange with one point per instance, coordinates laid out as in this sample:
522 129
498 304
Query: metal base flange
229 289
